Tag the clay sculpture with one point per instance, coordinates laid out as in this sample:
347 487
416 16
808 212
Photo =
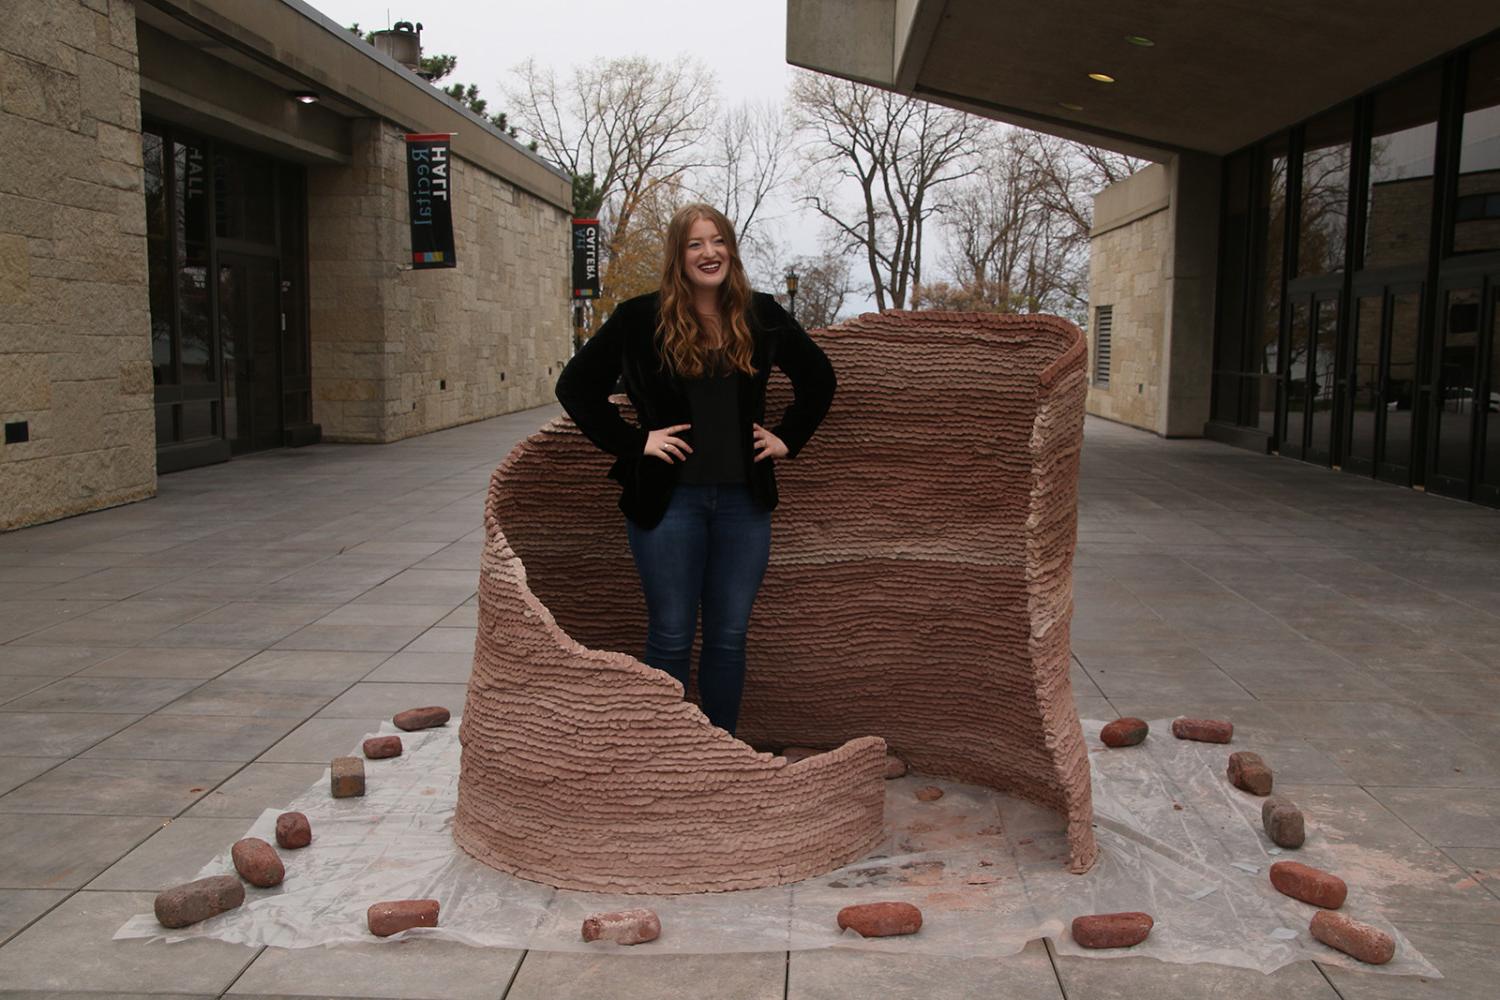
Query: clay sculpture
919 590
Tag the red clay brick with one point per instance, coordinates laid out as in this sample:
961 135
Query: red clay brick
421 718
1353 938
293 831
381 747
1309 884
929 793
257 862
1283 822
397 915
346 777
191 902
635 926
1203 730
881 919
1112 930
1249 772
1126 732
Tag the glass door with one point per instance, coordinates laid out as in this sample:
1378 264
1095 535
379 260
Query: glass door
250 331
1381 380
1487 489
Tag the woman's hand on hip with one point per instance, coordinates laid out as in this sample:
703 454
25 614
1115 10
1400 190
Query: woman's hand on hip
768 445
663 443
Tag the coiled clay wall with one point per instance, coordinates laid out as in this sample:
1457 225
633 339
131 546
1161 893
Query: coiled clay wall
919 595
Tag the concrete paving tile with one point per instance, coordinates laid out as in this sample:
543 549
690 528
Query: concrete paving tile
1451 761
424 586
437 668
173 855
1465 954
267 699
13 686
422 615
194 737
444 640
16 771
19 907
1357 719
63 852
1419 656
184 662
465 616
1482 863
417 968
381 701
561 975
226 635
342 667
1482 729
155 611
838 973
318 741
104 787
1095 708
265 613
367 638
1133 978
102 694
1451 693
71 949
94 632
93 995
1447 817
57 734
256 788
51 661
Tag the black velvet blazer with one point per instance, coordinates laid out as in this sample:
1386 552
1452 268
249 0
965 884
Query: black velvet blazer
626 345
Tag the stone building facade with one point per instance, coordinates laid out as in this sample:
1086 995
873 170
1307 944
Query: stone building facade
204 249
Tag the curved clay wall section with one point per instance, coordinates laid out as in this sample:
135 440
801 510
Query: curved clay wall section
919 590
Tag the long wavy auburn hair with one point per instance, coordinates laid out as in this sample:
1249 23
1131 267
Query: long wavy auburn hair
680 335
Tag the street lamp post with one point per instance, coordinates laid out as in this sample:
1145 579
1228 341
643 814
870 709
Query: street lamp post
791 291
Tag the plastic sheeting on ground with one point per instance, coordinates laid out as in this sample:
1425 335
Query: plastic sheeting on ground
987 871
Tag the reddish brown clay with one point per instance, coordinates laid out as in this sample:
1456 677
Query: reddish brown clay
636 926
397 915
381 747
895 767
346 777
1112 930
1126 732
1353 938
1203 730
257 862
1309 884
1247 771
1283 822
929 793
881 919
421 718
191 902
293 831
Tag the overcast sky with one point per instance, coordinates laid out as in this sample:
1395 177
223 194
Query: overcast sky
743 43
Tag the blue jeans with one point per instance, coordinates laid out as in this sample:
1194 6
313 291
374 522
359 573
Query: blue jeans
711 547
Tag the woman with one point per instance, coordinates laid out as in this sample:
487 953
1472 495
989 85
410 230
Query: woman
698 474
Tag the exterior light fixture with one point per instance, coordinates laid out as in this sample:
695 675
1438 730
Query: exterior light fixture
1140 40
1101 78
305 97
791 291
1069 106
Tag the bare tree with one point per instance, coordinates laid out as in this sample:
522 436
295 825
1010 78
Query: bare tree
748 152
899 151
620 126
823 287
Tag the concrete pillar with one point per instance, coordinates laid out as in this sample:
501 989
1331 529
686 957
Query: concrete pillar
1191 275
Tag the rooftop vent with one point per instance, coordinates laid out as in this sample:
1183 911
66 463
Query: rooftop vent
402 43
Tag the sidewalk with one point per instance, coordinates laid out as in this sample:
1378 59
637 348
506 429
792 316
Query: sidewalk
199 657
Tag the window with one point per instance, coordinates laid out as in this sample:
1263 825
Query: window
1103 321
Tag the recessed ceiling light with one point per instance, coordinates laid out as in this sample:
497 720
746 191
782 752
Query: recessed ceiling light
1101 77
1140 40
1068 105
305 97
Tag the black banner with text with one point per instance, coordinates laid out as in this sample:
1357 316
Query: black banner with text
430 190
585 258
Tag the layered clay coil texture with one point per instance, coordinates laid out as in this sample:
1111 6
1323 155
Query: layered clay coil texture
918 596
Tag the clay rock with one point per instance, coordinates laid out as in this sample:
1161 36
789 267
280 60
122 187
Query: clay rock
1112 930
293 831
895 767
397 915
1249 772
1126 732
381 747
346 777
1203 730
881 919
636 926
929 793
1309 884
1353 938
257 862
191 902
1283 822
794 754
421 718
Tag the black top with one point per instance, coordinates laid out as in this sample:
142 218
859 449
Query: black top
718 454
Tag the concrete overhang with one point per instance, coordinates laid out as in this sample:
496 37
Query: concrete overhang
285 46
1218 77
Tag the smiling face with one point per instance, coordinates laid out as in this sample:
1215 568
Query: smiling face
705 255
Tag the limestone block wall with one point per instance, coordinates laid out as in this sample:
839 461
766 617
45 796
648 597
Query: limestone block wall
1127 270
397 352
75 350
919 596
